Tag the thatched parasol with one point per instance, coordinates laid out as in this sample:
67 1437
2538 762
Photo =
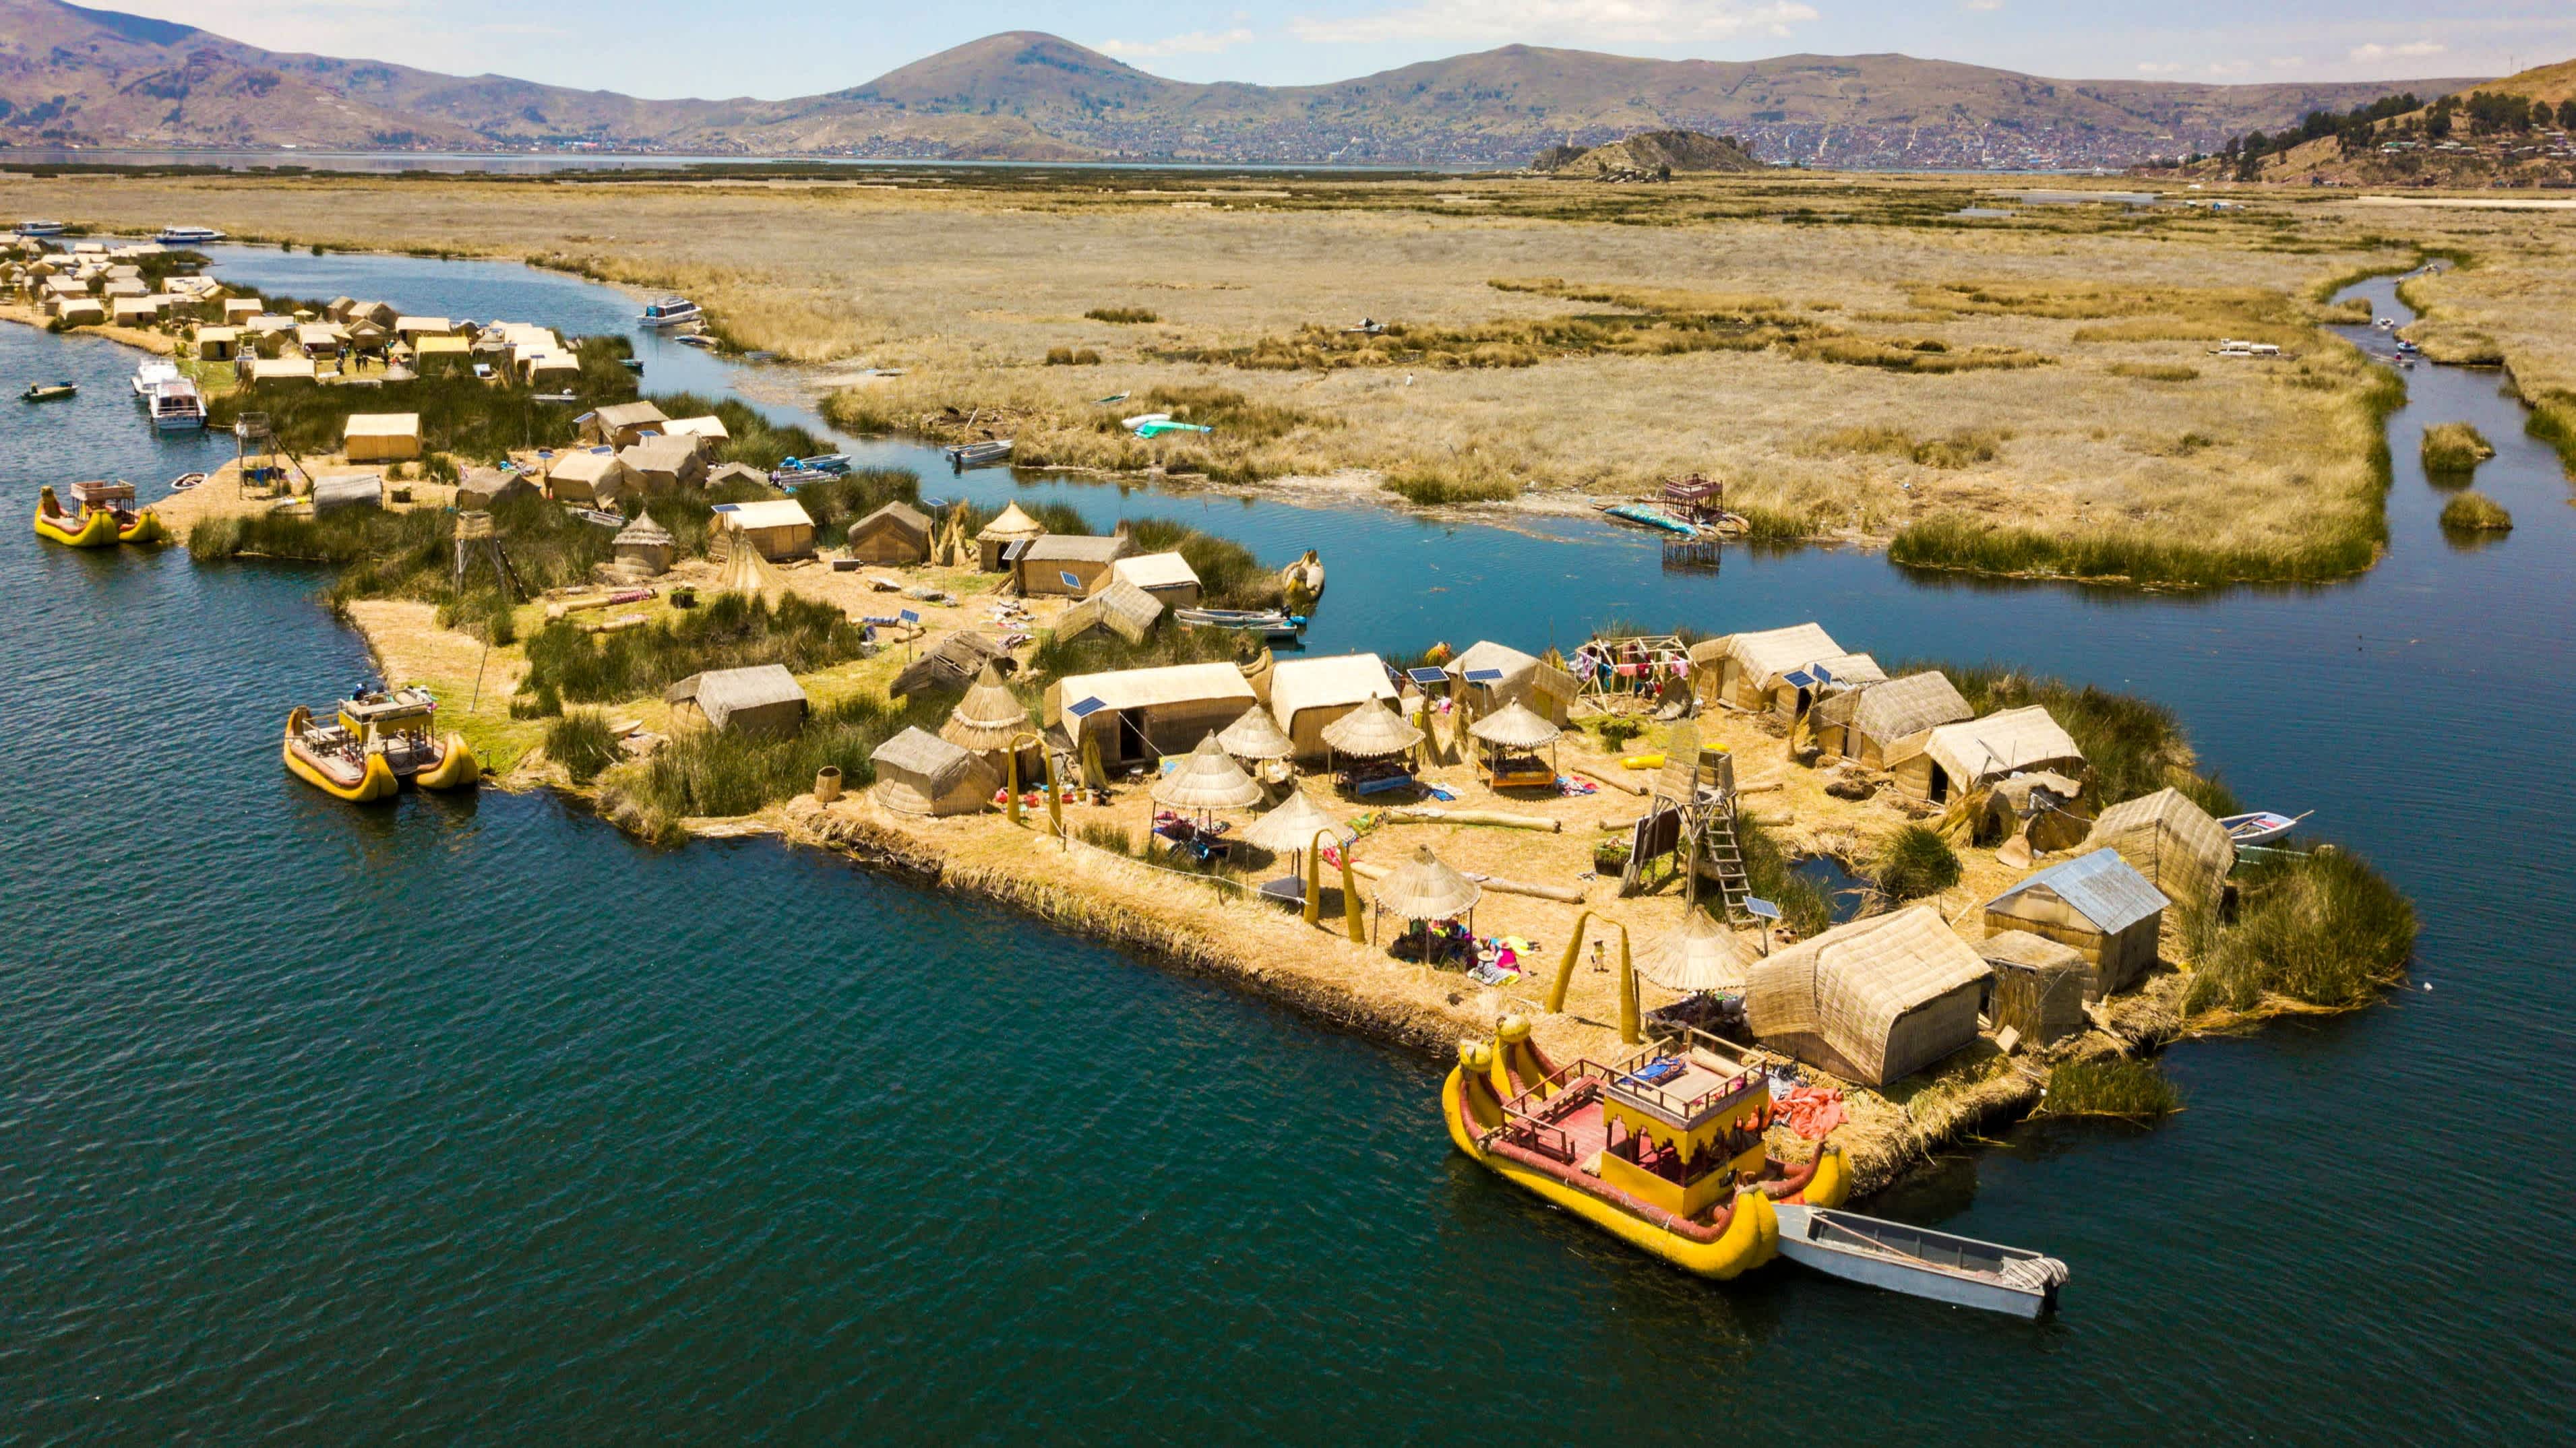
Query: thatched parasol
1292 826
1514 726
1422 888
988 718
1371 731
1703 955
1208 780
1256 736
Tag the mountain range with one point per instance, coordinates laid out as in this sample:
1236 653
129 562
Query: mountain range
70 75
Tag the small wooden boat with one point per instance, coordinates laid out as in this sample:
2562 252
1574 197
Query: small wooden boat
695 339
87 528
669 312
1306 573
1649 516
185 481
1920 1262
834 463
50 391
554 397
1663 1150
976 454
2261 827
1269 623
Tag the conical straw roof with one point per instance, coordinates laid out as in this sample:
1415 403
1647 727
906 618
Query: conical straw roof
1514 726
1208 780
988 718
1422 888
1256 736
644 531
1702 955
1011 526
1371 731
745 571
1293 825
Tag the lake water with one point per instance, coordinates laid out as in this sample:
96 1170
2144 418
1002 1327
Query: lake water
470 1119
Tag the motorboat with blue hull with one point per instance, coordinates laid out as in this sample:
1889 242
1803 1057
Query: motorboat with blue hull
1921 1262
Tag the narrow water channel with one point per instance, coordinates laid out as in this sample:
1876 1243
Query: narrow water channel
473 1119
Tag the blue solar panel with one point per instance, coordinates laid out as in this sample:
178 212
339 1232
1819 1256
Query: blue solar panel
1484 676
1086 708
1069 580
1426 676
1798 679
1823 674
907 615
1760 909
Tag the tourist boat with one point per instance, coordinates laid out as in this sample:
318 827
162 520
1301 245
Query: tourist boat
50 391
976 454
177 406
40 228
379 742
115 500
87 528
2386 323
1663 1150
1920 1262
2261 827
669 312
1270 623
151 374
187 235
1650 516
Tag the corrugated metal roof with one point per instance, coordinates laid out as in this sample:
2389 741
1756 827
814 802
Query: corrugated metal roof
2104 888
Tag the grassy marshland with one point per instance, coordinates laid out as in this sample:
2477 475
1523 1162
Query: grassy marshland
2455 447
472 419
2118 1086
727 631
718 772
580 741
1914 862
2476 513
2324 929
2134 746
750 438
1804 906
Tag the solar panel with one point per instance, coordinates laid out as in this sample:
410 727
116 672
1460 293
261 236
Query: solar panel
1798 679
1070 581
1484 676
907 615
1760 909
1011 551
1086 708
728 507
1823 674
1426 676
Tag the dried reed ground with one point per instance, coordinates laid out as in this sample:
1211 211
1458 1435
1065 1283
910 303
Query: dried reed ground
968 287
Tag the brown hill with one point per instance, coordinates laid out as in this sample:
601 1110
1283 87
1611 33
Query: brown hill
1648 153
2408 150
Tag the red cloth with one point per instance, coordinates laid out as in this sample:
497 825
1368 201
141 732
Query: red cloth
1813 1111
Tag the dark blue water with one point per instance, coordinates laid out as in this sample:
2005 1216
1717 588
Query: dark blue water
474 1120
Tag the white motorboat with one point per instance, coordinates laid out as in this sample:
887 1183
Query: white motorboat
40 228
151 375
177 406
187 235
669 312
1920 1262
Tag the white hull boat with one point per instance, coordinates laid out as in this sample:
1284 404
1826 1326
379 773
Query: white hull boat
1920 1262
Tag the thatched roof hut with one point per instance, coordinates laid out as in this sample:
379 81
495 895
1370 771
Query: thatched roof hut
1255 736
2173 842
763 701
1701 956
1166 576
1306 695
920 773
1207 779
1746 669
1137 714
2095 904
1957 758
1013 526
1371 731
989 717
1875 723
644 543
955 662
1871 1001
1487 675
1119 606
2038 986
895 533
1422 888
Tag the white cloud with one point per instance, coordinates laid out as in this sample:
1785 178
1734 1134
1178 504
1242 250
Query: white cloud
2288 62
1196 42
2410 50
2230 67
1557 20
1981 4
2157 67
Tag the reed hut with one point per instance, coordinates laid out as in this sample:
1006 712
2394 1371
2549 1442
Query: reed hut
1748 670
761 702
1487 675
620 424
217 344
273 371
1703 957
1168 577
953 665
1308 695
2096 905
486 488
897 533
589 477
989 720
2173 842
348 490
1958 758
1013 526
1137 715
1512 737
919 773
2037 990
707 434
645 546
1119 606
1872 1001
381 437
1065 564
1880 721
1424 891
776 528
441 354
1207 780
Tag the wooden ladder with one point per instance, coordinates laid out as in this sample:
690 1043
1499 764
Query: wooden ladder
1721 859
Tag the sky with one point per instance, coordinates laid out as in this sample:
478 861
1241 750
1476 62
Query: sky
779 48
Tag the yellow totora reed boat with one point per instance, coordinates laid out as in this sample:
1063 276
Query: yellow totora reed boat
379 742
142 527
1663 1150
89 528
335 762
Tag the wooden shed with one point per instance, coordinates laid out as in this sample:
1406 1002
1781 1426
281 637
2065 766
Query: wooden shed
589 477
1876 722
664 465
2094 904
1143 714
895 533
1954 759
1013 526
778 528
1166 577
1307 695
2038 987
1872 1001
382 437
920 773
1065 564
763 702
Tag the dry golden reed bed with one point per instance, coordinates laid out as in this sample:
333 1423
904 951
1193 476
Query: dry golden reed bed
2044 375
